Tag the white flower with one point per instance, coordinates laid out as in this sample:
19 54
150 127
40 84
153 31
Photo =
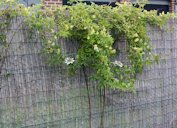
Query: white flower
9 0
52 31
69 60
118 63
55 37
95 47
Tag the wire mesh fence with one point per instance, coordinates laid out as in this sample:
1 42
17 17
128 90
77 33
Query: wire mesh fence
36 95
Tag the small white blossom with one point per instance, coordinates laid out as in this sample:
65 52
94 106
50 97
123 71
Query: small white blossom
118 63
69 60
55 37
52 31
95 47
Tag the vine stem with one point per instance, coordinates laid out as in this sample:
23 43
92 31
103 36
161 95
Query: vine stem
102 102
88 96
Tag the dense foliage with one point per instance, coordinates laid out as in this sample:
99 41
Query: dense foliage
96 28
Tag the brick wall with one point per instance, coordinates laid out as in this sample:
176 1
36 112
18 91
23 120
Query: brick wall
48 3
172 6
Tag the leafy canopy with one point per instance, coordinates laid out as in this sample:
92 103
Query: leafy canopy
96 28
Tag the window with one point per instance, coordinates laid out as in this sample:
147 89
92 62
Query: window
176 6
29 2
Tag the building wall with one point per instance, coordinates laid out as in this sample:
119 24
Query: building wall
60 2
172 6
53 2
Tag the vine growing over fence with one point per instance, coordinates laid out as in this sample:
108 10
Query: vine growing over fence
96 28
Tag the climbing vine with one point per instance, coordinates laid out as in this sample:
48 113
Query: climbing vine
96 28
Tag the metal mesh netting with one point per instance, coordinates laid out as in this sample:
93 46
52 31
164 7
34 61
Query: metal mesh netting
36 95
